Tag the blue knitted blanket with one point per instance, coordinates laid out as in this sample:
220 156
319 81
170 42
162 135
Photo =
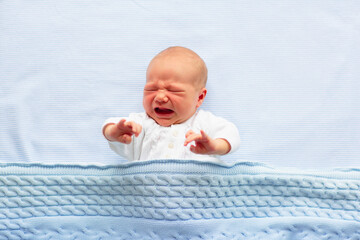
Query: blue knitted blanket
171 199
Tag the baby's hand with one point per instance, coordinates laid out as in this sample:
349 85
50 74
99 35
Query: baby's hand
122 131
205 144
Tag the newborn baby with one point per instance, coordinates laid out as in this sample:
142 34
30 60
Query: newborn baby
172 127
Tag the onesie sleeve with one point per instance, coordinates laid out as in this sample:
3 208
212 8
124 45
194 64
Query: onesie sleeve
219 127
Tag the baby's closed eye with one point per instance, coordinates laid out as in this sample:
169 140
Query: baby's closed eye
150 89
176 90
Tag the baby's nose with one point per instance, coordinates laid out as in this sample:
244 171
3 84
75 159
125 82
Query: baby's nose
161 97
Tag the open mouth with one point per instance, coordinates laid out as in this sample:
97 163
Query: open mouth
163 111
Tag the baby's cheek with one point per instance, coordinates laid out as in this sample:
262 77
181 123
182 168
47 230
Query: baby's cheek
147 100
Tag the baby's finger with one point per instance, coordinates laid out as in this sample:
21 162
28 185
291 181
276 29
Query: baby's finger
190 138
137 129
121 124
204 136
190 132
125 138
126 125
193 148
129 125
197 149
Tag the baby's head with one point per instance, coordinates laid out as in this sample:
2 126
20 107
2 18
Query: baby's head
175 86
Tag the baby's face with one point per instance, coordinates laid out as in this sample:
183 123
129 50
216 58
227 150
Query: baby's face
172 92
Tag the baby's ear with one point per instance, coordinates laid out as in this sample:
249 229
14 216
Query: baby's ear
201 97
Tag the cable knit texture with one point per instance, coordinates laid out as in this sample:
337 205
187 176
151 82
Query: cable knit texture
171 199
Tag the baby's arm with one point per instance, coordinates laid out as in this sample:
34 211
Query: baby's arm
207 145
122 131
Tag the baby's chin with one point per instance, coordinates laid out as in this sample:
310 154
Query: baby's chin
164 122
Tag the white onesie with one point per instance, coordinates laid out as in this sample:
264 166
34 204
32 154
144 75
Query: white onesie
158 142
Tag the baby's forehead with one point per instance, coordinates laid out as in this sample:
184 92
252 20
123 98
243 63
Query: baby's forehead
169 64
179 56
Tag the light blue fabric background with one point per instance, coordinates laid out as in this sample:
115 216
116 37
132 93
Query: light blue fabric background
285 72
